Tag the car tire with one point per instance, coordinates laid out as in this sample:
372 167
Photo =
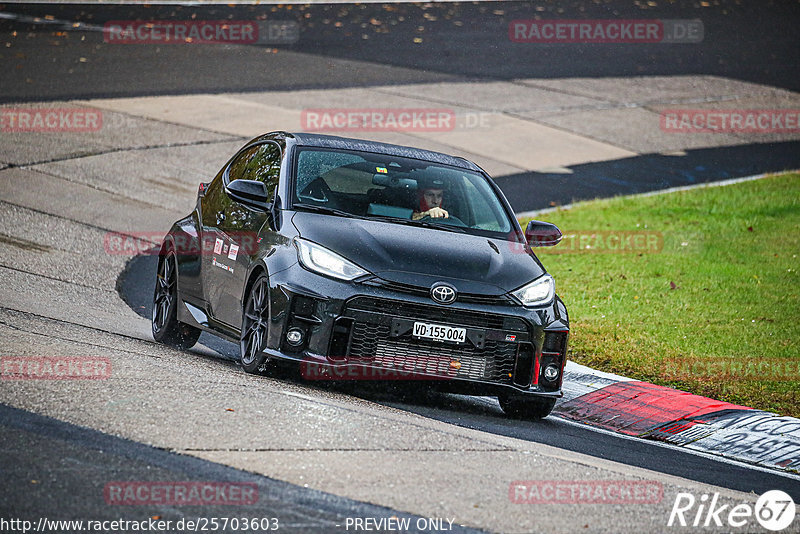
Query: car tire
165 325
519 407
255 327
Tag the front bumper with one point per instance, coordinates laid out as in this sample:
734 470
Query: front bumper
363 331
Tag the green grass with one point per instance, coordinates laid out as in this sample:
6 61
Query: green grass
724 288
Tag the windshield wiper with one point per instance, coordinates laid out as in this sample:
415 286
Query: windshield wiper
427 224
442 226
324 209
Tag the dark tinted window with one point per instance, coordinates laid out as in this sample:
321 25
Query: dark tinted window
262 163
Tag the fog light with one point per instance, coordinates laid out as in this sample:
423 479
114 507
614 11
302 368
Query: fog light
294 336
551 372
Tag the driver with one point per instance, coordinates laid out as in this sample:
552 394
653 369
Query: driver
430 204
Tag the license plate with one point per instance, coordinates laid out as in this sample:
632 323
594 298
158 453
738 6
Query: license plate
439 332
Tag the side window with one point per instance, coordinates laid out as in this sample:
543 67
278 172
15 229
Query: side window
262 163
315 163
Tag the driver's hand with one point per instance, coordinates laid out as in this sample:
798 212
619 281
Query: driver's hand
437 212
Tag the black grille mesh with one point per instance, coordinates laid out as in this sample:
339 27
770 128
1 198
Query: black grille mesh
371 342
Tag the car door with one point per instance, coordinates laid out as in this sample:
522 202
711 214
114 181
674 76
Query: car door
232 230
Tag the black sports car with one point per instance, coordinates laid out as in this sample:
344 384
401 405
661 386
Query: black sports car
360 259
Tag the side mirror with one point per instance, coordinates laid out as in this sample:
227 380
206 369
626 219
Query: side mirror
249 192
542 234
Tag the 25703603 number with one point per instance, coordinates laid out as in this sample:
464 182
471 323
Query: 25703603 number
254 524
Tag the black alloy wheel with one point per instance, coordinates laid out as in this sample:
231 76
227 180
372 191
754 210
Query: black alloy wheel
166 327
255 327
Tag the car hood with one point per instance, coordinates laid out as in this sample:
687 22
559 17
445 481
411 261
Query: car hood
419 256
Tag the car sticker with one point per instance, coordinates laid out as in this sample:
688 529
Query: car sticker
381 170
218 246
221 265
233 252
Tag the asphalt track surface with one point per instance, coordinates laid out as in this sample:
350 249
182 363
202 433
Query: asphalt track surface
638 174
46 64
456 42
136 287
751 41
37 451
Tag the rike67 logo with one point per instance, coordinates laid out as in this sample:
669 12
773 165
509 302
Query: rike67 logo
774 510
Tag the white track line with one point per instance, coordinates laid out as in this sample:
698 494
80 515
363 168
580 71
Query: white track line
721 183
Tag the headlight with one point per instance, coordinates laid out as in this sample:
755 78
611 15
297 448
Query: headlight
540 291
323 261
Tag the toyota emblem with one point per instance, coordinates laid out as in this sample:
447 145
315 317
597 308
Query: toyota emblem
443 293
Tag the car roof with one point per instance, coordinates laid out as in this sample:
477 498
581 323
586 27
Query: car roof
332 141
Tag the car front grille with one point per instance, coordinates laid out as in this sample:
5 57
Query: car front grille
371 341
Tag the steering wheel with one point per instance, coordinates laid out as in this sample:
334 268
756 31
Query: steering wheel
318 190
452 220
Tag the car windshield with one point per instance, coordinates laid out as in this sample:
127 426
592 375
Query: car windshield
398 190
